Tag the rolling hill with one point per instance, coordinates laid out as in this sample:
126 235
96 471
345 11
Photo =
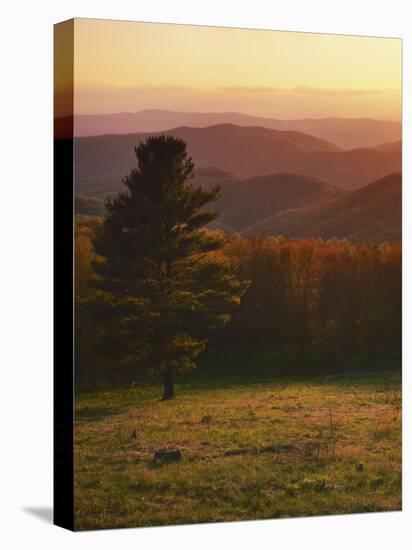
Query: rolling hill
246 202
88 206
372 212
102 186
102 161
392 146
348 133
295 206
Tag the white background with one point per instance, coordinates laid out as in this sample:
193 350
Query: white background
26 273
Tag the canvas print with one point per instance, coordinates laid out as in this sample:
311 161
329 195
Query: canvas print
237 272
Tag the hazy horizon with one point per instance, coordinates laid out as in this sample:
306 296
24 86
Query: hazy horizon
154 109
131 67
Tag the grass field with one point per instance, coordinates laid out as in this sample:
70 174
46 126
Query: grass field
278 448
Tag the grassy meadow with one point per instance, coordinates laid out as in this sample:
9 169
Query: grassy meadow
250 449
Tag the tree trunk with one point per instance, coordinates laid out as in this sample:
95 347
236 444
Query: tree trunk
169 384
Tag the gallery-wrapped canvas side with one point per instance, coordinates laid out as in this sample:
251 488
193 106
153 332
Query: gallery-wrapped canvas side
63 274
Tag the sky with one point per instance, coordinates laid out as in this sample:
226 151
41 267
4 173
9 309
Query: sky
128 67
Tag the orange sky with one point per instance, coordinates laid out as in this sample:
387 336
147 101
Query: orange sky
127 66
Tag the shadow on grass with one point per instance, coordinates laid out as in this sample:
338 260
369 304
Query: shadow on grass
204 381
229 368
361 378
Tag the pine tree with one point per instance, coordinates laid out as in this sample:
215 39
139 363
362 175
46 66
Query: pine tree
158 278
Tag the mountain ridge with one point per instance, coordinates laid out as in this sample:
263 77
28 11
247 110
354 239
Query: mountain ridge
247 150
347 133
371 212
295 206
249 200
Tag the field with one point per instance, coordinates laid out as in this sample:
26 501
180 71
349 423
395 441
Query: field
249 450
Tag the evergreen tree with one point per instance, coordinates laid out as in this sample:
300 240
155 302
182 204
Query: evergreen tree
159 281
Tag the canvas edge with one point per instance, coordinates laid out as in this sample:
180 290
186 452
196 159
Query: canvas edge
63 265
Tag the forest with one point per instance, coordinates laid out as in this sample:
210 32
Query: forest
323 306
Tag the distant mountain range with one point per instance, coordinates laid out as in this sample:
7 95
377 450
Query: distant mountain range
272 181
373 212
392 146
243 203
347 133
102 161
296 206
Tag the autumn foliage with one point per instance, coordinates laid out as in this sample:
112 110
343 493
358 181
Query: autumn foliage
330 300
324 305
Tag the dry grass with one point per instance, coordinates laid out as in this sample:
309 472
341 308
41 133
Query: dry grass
262 450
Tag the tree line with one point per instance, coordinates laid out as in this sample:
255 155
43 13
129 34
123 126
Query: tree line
332 300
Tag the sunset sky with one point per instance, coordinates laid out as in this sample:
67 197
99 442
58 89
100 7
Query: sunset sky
127 66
